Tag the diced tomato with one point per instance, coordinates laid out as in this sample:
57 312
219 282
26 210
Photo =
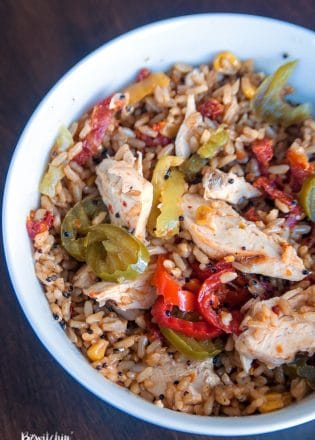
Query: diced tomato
209 300
212 109
35 227
251 215
142 74
101 117
263 151
300 167
153 142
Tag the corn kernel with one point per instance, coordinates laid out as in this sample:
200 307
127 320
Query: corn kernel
247 88
227 63
97 351
275 401
229 258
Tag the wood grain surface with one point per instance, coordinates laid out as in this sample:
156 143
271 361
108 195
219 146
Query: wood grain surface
39 41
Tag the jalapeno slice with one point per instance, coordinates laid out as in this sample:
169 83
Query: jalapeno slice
190 347
76 224
114 254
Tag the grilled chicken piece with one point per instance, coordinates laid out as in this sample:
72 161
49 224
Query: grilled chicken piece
133 294
276 329
227 187
218 230
199 373
192 120
126 193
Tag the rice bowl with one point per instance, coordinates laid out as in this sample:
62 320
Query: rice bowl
176 261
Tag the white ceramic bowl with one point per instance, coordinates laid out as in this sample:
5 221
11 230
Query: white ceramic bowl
192 39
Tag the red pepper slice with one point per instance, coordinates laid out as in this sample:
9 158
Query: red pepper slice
209 300
167 286
162 313
101 117
35 227
262 148
211 109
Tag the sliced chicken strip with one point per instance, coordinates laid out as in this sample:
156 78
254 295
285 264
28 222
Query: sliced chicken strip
274 330
218 230
126 193
227 187
198 372
192 120
129 295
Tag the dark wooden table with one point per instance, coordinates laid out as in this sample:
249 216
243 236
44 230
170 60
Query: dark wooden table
39 41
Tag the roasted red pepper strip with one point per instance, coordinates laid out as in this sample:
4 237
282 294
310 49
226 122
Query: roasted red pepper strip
101 117
35 227
162 313
167 286
262 148
300 167
153 142
211 109
208 301
270 189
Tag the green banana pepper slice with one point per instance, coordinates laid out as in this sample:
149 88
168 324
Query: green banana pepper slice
300 368
307 197
167 184
114 254
268 103
192 167
190 347
194 164
167 223
76 225
217 140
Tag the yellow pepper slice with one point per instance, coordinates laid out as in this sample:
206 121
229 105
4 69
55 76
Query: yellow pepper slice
141 89
167 223
160 174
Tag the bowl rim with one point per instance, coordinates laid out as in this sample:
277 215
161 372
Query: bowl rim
159 416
